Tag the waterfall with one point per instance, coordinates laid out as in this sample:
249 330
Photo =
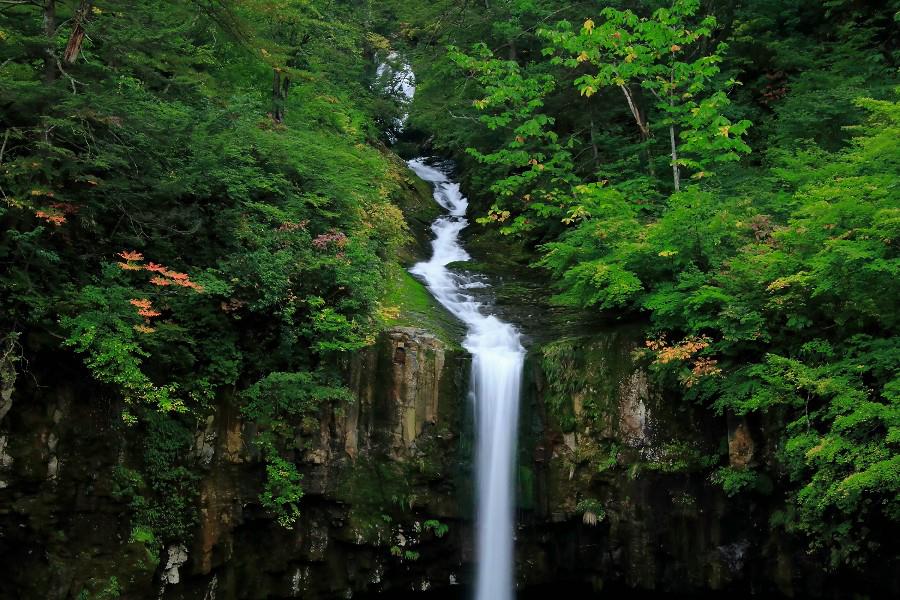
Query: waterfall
497 360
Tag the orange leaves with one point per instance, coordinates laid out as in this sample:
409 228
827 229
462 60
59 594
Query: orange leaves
56 213
131 255
50 217
145 308
685 351
166 276
141 303
703 367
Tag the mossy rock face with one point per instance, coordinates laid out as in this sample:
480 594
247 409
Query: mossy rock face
414 198
408 303
618 468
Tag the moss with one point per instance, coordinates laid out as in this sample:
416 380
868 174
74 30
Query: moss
409 303
415 200
589 370
526 486
680 456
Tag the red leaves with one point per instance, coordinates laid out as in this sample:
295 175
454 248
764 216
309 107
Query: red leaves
145 308
50 217
322 240
291 226
166 276
131 255
56 213
141 303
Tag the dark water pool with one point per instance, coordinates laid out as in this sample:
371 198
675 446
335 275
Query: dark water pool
559 591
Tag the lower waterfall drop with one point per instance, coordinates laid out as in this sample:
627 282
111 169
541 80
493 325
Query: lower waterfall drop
497 361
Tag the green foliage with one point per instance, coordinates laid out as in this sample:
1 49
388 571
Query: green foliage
188 227
735 481
279 402
282 490
108 589
771 287
659 55
277 397
161 496
592 509
439 529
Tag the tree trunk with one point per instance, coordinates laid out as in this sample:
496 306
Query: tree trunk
636 113
280 85
594 149
73 48
676 174
49 26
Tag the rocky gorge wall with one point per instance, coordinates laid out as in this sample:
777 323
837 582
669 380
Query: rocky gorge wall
621 497
614 491
381 509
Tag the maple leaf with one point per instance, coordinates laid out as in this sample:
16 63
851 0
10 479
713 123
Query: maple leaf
141 303
131 255
155 268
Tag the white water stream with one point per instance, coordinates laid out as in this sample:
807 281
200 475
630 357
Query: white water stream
497 359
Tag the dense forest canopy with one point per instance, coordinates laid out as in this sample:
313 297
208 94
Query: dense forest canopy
729 170
199 201
196 202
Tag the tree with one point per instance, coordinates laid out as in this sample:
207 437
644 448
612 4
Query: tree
661 55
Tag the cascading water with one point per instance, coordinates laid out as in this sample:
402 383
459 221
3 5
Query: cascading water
497 360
